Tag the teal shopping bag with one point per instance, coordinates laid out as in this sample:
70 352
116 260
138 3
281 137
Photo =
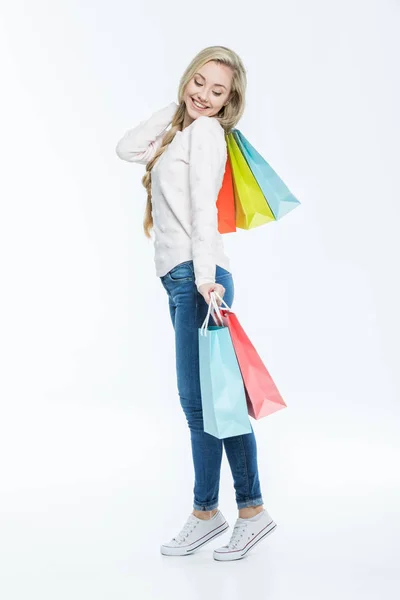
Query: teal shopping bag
278 196
223 398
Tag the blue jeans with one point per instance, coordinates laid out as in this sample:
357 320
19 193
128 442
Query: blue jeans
188 310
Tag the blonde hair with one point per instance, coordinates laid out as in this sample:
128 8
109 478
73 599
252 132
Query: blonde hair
228 116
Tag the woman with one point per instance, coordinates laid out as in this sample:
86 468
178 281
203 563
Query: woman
184 171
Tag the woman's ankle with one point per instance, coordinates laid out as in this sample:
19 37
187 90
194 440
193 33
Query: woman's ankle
250 511
204 514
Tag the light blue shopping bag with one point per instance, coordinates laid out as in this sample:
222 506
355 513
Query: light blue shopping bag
223 398
278 196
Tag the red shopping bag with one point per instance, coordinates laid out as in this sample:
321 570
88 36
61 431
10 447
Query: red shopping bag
262 395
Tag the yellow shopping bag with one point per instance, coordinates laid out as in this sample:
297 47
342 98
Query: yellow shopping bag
252 210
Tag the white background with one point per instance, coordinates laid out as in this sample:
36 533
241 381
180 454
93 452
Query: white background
96 467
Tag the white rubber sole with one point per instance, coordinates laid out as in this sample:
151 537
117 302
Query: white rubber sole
186 550
243 552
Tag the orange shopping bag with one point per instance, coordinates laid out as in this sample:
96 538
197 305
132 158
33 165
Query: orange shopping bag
226 202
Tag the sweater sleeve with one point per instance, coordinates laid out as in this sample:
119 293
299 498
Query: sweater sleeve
207 161
141 143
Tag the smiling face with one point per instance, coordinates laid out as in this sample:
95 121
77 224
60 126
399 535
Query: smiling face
208 91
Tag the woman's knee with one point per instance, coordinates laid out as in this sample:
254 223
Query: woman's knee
193 413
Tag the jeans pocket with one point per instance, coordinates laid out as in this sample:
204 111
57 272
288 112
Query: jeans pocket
182 272
221 272
222 275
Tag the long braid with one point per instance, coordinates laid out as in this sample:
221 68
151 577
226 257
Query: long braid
176 125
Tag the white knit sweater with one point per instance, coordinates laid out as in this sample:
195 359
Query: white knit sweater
186 180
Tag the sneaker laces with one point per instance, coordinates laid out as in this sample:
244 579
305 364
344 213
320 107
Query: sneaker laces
237 534
186 530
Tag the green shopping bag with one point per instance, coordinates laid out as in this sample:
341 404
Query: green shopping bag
251 208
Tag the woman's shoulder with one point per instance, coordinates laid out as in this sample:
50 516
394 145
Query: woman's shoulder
207 140
206 123
206 131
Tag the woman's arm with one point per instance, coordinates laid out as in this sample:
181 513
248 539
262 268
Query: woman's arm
141 143
207 161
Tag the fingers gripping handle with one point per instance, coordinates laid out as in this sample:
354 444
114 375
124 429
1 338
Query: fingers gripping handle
213 309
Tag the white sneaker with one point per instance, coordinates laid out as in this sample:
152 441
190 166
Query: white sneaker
245 535
195 534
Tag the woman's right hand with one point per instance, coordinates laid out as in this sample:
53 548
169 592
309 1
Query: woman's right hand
206 288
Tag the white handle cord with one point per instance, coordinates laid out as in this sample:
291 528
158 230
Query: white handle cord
213 307
222 300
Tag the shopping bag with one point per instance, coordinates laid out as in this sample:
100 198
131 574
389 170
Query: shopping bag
262 395
247 174
251 208
278 196
226 202
223 398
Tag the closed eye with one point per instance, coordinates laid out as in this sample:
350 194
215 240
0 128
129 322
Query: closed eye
215 93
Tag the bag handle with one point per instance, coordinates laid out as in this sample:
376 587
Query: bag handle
216 307
213 309
203 328
222 300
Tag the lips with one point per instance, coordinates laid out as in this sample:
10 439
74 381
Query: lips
198 107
